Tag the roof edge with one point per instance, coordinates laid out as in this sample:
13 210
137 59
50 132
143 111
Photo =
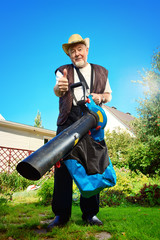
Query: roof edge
119 119
26 127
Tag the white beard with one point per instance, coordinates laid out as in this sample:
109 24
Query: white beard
80 64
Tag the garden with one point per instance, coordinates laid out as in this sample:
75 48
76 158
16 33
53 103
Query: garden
129 210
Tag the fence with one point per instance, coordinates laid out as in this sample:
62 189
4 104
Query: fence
9 157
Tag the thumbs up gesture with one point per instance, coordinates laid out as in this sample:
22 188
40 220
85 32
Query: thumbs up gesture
63 82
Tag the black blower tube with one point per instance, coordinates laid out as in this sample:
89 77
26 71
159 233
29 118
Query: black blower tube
39 162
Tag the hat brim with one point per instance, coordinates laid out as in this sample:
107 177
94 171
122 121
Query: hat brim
66 46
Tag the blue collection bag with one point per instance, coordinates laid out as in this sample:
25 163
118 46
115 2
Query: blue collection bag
88 163
90 185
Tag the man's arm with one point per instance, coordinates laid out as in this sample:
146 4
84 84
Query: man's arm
61 86
104 97
101 98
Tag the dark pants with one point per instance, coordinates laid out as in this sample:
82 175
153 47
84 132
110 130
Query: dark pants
62 194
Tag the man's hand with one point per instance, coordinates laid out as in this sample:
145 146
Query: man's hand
62 86
96 98
101 98
63 82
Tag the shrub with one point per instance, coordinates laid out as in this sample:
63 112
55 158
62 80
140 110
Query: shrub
138 179
13 182
45 193
116 195
111 197
128 183
4 209
124 183
144 156
149 195
118 142
3 201
76 195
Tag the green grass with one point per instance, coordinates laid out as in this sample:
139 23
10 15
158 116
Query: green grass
24 219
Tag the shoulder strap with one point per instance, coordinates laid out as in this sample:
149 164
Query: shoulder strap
82 79
91 84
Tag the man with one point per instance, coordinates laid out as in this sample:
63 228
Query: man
97 85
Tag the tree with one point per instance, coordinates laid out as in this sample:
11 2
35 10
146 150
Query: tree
118 143
145 156
38 121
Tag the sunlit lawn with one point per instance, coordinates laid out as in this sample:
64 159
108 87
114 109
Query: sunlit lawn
24 218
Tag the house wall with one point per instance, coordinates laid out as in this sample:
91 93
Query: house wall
16 138
113 123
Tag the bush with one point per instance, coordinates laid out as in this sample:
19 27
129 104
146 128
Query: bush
149 195
111 197
144 156
124 183
46 191
118 142
3 201
13 182
4 209
76 195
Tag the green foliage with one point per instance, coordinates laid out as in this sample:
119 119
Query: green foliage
128 188
4 206
149 122
144 154
124 183
28 220
149 195
138 179
156 60
112 198
13 182
46 191
3 201
128 184
118 143
76 195
38 120
151 78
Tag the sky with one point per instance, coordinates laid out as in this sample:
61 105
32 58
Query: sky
123 36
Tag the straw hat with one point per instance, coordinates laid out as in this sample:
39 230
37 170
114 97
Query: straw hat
75 38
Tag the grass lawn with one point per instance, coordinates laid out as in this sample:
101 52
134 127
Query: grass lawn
24 218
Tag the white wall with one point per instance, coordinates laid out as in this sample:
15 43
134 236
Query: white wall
15 138
114 124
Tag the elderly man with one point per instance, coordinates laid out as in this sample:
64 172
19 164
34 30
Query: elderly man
97 84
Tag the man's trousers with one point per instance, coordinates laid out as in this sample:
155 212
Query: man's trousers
62 196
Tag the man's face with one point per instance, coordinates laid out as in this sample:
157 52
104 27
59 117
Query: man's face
78 54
